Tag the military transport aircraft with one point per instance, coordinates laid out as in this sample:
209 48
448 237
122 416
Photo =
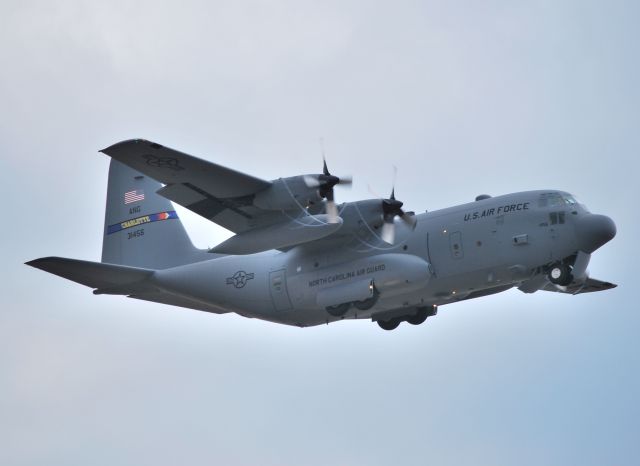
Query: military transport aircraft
298 258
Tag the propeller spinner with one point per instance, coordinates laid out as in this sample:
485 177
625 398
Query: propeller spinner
325 184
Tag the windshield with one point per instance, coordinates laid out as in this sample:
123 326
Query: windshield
556 200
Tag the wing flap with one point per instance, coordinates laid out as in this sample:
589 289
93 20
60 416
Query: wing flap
235 214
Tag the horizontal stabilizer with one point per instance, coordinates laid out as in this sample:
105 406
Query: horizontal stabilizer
117 279
283 235
106 278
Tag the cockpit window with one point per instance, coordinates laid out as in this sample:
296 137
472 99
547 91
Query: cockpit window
550 200
556 200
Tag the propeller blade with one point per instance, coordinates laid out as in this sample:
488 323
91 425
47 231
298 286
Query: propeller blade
388 232
410 220
346 180
325 170
329 195
373 193
332 212
393 182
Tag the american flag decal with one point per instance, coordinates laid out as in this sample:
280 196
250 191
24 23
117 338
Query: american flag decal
133 196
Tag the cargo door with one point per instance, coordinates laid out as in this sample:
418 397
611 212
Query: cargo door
278 289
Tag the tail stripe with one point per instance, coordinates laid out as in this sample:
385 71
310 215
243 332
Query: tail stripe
134 222
135 234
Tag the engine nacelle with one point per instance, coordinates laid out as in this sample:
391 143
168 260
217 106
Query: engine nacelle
287 194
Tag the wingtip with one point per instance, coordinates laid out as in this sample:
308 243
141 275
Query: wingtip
38 263
113 147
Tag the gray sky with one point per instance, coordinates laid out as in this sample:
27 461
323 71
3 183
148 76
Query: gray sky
464 97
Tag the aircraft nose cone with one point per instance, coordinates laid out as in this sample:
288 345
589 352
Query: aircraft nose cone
594 231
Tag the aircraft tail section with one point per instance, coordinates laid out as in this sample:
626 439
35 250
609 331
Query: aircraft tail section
142 229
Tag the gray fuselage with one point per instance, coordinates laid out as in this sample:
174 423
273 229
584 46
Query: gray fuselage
457 253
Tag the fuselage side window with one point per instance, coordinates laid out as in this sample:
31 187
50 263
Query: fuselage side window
556 217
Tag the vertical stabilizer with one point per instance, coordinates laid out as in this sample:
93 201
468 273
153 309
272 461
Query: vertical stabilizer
141 228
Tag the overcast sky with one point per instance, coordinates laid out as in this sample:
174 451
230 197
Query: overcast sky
464 97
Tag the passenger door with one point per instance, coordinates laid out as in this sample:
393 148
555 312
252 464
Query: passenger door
278 290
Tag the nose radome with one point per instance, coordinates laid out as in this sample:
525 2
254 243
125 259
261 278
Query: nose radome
593 231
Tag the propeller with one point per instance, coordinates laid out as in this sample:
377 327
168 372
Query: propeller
392 208
325 184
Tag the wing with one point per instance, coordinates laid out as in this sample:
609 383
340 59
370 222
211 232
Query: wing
217 193
590 285
263 214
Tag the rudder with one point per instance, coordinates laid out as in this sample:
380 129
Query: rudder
142 228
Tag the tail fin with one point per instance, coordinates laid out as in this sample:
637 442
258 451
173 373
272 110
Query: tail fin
141 228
